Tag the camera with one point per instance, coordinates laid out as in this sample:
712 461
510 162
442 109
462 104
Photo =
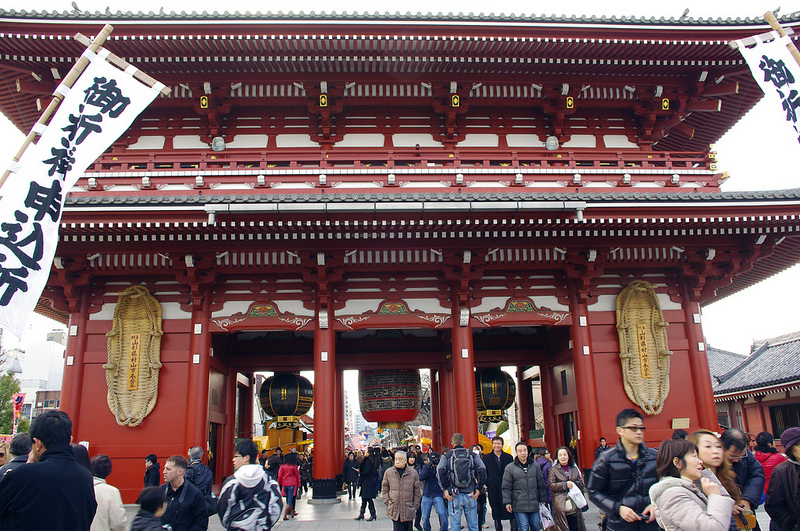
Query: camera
434 460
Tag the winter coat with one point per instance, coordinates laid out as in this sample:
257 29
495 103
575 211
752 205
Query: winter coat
545 464
288 476
783 497
368 479
56 494
274 462
305 470
152 477
523 488
401 494
768 460
201 476
249 498
680 504
350 471
17 462
599 450
557 480
478 477
494 482
146 521
616 481
431 489
110 515
750 478
186 508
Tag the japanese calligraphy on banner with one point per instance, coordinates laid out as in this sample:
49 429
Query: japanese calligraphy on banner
99 107
778 75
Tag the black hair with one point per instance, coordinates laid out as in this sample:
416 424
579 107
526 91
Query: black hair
53 428
152 458
541 452
20 444
521 444
735 438
248 448
679 434
668 451
151 499
627 414
763 442
571 460
602 438
81 455
101 466
179 461
290 459
498 438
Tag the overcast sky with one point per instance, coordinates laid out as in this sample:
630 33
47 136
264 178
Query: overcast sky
758 152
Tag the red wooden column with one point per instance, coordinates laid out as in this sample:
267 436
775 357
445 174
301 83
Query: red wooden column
339 423
464 383
436 419
447 405
698 361
550 429
525 403
199 364
583 361
72 381
247 402
225 452
325 463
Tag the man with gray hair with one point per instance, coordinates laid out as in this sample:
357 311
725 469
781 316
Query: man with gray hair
460 474
198 473
19 449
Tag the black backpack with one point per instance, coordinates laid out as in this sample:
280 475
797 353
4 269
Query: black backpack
461 475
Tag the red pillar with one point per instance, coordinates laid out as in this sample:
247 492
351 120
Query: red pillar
325 443
698 361
436 420
248 400
550 429
199 365
464 384
527 419
225 452
583 361
447 405
72 381
339 423
761 417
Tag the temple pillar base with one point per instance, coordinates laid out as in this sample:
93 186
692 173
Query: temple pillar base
324 491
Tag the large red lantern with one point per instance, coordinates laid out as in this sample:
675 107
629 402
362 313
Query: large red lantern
286 396
494 393
390 397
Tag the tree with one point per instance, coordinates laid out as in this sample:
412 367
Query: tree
8 386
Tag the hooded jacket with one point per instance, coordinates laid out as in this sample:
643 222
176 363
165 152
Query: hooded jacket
56 494
782 497
238 494
769 460
680 504
523 487
401 494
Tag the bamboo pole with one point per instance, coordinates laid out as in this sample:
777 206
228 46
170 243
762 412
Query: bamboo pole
769 16
69 80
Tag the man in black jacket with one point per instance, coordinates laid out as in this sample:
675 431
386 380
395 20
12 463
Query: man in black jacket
749 472
19 449
151 476
54 493
186 508
496 462
621 478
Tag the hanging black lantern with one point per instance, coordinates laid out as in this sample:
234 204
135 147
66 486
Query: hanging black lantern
494 393
285 397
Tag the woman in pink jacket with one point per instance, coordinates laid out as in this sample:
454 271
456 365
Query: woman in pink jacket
289 480
679 503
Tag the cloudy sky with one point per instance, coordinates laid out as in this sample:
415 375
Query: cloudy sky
758 152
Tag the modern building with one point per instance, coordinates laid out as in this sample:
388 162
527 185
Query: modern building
393 192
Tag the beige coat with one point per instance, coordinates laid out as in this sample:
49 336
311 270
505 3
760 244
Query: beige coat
401 495
557 481
110 515
680 504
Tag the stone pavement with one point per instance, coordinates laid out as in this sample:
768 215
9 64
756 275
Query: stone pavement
340 517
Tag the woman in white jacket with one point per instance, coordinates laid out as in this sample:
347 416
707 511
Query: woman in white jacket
110 515
679 503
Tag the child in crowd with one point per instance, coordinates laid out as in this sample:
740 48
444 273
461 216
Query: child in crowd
152 504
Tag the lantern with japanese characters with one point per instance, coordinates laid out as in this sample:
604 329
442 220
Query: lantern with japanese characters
494 393
390 397
285 397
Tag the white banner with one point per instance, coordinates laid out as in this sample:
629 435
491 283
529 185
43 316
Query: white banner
99 107
778 75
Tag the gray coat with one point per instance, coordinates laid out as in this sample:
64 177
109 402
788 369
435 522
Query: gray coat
524 490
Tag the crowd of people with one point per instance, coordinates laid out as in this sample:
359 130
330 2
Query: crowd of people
694 481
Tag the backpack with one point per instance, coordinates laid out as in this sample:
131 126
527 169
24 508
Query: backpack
204 477
258 509
461 475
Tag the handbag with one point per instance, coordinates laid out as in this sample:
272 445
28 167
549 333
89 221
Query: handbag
546 518
569 506
746 520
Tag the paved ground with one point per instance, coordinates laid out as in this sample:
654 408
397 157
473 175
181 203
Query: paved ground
340 517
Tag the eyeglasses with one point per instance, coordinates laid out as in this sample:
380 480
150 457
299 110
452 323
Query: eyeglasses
736 457
634 428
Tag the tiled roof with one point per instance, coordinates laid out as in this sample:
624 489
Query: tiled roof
721 362
386 16
776 361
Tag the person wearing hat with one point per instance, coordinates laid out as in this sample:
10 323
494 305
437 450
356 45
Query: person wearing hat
782 494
